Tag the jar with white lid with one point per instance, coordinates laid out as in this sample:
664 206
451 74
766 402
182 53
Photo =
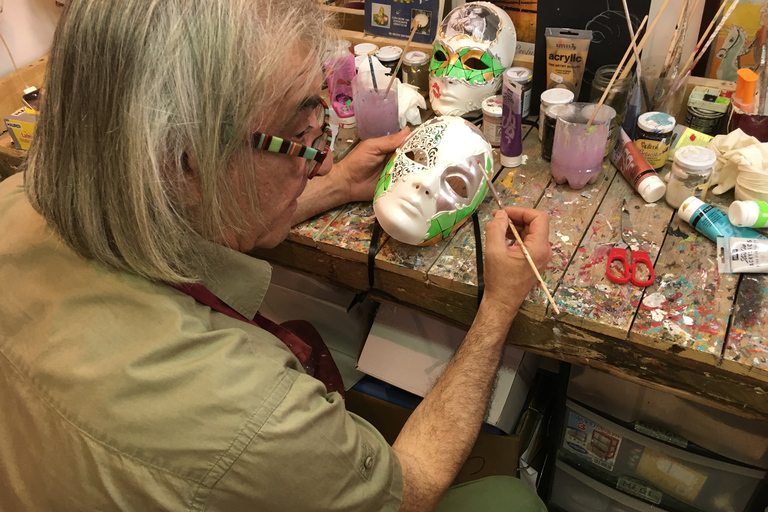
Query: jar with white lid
365 48
416 70
552 97
389 56
691 170
492 109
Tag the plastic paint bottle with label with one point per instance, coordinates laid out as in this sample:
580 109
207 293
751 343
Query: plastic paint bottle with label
636 169
511 121
711 222
749 214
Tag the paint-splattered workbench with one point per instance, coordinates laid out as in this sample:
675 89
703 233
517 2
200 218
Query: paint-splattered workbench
693 332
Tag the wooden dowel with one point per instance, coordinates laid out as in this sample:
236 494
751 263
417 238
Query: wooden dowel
644 39
688 62
615 74
402 55
522 246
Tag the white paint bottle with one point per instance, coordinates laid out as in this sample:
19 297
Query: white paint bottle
748 214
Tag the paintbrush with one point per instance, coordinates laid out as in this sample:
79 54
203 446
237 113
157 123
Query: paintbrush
640 46
615 74
671 65
522 246
689 67
373 74
639 71
416 24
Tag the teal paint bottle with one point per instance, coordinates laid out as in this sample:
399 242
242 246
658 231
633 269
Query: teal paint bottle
711 222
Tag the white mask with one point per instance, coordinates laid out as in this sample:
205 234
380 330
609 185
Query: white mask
475 43
434 181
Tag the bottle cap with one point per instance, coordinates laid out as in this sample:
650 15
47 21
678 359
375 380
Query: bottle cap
689 206
415 57
389 53
651 189
556 97
745 86
365 48
520 74
695 158
347 122
656 122
511 161
493 106
743 213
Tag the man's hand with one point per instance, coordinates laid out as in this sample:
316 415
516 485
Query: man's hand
508 276
361 169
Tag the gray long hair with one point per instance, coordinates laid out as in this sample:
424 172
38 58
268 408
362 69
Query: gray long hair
132 87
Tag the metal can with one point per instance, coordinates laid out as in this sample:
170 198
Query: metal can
703 120
523 76
653 137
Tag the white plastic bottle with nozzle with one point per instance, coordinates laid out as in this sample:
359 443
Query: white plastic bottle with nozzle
748 214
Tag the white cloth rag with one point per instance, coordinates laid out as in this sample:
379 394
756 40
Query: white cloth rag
742 161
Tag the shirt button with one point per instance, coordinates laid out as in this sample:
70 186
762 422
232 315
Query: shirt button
368 463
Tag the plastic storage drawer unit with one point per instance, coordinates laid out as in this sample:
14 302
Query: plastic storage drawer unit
653 471
574 491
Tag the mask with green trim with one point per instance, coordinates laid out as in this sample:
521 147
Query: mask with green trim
434 181
475 43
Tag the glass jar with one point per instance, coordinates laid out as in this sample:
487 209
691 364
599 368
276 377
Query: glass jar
691 170
552 97
653 137
389 56
492 109
416 70
618 94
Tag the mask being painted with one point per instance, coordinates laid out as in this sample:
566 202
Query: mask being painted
434 181
475 43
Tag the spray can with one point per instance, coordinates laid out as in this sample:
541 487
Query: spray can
511 121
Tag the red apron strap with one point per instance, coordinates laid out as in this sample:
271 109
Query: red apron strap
299 336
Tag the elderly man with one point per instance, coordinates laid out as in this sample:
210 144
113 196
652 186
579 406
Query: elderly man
135 373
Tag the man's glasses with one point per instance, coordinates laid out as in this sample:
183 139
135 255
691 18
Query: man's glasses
314 154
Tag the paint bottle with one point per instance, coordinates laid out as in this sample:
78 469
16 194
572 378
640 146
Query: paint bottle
749 214
492 110
742 255
550 123
653 137
567 51
525 77
389 56
340 72
711 222
636 169
511 121
745 90
552 97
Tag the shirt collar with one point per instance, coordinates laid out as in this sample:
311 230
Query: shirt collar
241 281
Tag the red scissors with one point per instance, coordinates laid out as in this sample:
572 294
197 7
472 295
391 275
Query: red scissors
637 257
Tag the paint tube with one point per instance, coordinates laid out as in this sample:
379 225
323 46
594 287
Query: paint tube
635 168
711 222
567 51
749 214
742 255
340 72
511 121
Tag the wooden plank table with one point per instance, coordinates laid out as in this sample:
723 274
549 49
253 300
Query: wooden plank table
693 332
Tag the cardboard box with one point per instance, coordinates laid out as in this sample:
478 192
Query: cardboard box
411 350
492 454
294 296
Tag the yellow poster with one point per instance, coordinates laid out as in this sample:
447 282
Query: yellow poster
739 42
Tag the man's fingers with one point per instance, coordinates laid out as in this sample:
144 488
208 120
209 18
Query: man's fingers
389 143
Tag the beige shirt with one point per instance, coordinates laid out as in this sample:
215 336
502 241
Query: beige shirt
117 393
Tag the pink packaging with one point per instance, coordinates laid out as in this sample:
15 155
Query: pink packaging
340 71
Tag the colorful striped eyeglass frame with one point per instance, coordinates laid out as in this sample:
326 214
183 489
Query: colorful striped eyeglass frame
277 145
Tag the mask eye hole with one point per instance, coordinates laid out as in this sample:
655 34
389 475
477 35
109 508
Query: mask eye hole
474 63
440 55
458 184
419 156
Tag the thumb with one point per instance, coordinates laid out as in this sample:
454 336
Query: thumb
389 143
496 230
